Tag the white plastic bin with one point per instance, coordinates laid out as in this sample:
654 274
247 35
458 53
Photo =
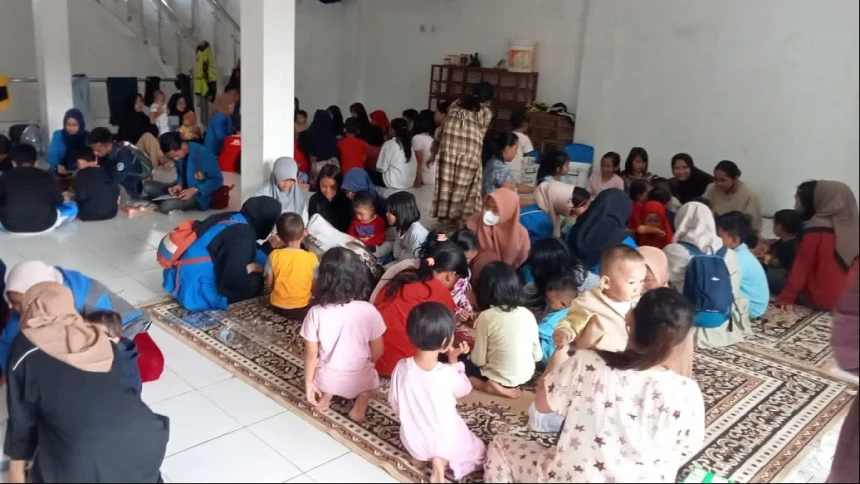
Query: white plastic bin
578 173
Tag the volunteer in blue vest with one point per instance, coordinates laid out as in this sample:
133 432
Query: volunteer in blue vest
90 296
225 263
198 176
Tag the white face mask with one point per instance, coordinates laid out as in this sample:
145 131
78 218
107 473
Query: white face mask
490 219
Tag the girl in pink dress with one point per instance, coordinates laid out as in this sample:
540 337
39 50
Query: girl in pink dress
424 394
343 335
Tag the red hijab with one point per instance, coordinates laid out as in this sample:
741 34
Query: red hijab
655 240
381 119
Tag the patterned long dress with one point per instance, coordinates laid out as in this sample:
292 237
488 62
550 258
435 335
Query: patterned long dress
457 193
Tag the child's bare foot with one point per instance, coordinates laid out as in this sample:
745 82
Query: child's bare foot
325 402
358 413
437 474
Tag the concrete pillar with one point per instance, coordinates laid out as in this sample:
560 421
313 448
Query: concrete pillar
53 61
268 87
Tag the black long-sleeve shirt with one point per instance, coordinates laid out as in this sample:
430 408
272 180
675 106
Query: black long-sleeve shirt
88 426
96 194
29 198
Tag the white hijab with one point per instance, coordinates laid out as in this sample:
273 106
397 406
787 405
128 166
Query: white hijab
292 200
695 224
27 274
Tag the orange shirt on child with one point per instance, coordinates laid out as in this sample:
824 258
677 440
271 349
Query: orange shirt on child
353 153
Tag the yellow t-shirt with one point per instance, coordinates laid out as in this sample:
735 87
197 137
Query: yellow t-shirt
293 271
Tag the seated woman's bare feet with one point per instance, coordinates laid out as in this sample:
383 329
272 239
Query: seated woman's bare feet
324 404
494 388
358 413
438 466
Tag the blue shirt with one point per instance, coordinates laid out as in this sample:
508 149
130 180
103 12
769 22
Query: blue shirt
496 174
753 281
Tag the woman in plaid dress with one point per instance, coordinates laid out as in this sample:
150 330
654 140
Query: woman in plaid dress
458 181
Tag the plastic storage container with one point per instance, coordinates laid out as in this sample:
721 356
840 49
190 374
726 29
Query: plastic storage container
579 153
577 174
521 55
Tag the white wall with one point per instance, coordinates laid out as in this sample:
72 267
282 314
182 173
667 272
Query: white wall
769 84
397 56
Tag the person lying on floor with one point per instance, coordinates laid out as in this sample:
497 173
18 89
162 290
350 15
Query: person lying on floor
70 409
225 263
198 176
89 294
127 165
30 198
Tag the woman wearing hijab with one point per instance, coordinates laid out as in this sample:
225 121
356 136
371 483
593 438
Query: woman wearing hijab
104 433
657 276
336 121
330 201
90 296
66 143
135 122
220 124
371 134
500 235
284 186
552 204
319 144
695 225
225 263
601 226
688 182
358 180
828 247
846 348
379 119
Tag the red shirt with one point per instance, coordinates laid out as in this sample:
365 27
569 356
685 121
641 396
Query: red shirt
394 312
353 153
375 230
300 158
816 273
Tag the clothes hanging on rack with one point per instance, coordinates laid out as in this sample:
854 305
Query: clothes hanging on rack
152 84
81 94
205 73
119 91
183 85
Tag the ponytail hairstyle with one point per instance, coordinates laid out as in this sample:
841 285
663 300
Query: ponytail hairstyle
403 136
481 93
662 320
551 164
444 257
501 141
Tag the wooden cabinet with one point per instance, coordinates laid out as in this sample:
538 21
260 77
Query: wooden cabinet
549 132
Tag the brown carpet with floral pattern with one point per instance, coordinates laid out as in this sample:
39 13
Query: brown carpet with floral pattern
767 399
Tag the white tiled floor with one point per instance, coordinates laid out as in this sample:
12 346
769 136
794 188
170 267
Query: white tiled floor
222 430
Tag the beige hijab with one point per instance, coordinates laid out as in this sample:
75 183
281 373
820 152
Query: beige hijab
836 208
51 322
657 263
554 198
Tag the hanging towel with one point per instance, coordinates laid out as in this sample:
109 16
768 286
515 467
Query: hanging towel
119 91
152 84
183 85
81 94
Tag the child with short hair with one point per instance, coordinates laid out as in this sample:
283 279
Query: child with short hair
158 112
664 197
30 199
507 344
734 228
560 292
778 258
343 335
353 150
110 322
96 194
424 393
404 216
189 130
519 126
290 270
126 164
597 317
367 226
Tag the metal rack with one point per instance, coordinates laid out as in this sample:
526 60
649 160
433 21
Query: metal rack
92 79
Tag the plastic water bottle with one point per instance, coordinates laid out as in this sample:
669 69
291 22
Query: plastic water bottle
227 335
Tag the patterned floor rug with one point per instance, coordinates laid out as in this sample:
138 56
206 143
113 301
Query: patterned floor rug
798 335
762 411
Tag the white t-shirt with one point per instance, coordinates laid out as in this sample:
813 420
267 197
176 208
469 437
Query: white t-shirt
422 143
162 122
524 145
397 172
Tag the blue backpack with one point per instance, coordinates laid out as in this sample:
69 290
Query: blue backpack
708 285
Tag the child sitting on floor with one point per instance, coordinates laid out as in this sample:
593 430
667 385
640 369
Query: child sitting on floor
189 130
367 226
497 170
596 319
507 344
424 395
290 270
404 216
96 194
734 228
110 322
778 257
638 192
665 198
353 150
30 198
561 290
653 228
343 335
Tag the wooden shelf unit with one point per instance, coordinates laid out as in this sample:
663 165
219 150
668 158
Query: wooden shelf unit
549 132
513 90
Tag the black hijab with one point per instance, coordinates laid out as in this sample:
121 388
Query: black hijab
338 211
336 120
134 124
603 225
172 110
74 142
318 141
693 187
371 134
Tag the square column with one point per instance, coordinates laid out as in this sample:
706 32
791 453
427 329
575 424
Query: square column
53 61
268 87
